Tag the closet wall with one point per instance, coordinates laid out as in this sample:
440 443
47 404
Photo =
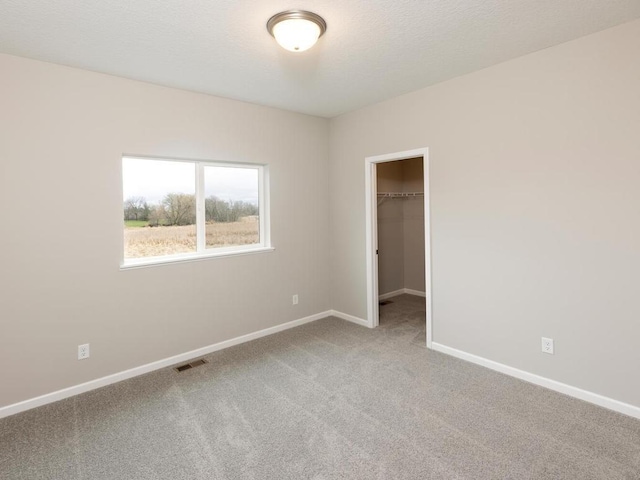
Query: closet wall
400 227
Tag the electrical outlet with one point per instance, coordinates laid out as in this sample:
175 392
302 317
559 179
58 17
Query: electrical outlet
83 351
295 299
547 345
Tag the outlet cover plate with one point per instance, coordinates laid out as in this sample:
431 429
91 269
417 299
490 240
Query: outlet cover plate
547 345
83 351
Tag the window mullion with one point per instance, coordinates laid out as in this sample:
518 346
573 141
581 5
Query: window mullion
200 211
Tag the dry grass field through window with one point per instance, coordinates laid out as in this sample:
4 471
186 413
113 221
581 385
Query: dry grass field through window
144 241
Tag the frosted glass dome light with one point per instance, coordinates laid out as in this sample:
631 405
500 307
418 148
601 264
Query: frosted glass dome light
296 30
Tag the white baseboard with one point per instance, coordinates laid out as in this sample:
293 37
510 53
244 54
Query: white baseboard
417 293
402 291
575 392
350 318
395 293
597 399
150 367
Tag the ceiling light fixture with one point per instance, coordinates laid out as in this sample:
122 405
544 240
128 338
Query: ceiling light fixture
296 30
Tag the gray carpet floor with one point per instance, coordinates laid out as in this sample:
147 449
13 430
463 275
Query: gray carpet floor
327 400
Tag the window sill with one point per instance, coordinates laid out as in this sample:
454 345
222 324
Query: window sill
191 257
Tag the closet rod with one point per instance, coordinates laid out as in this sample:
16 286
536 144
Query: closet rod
400 194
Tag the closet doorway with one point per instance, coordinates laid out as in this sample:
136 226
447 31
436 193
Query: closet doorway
398 231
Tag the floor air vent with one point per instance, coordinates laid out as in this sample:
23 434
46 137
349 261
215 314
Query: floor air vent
190 365
385 302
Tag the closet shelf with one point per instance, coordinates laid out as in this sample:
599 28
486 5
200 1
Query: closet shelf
382 196
400 194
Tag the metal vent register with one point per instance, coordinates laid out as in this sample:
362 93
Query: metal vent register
190 365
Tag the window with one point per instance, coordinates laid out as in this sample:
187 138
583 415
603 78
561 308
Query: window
180 210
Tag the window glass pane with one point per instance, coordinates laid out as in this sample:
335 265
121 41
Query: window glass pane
231 206
159 207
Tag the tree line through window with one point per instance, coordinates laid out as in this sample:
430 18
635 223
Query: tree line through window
177 207
180 209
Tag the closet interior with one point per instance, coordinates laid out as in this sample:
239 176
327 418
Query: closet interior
400 220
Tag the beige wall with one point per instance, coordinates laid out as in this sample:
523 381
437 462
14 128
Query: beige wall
535 175
534 191
63 132
400 227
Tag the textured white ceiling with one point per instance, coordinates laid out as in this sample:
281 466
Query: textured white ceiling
373 49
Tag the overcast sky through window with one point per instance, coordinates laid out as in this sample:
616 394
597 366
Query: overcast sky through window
153 179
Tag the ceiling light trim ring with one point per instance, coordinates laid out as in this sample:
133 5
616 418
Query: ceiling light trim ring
297 15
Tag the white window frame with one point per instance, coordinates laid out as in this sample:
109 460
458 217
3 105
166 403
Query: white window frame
202 252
